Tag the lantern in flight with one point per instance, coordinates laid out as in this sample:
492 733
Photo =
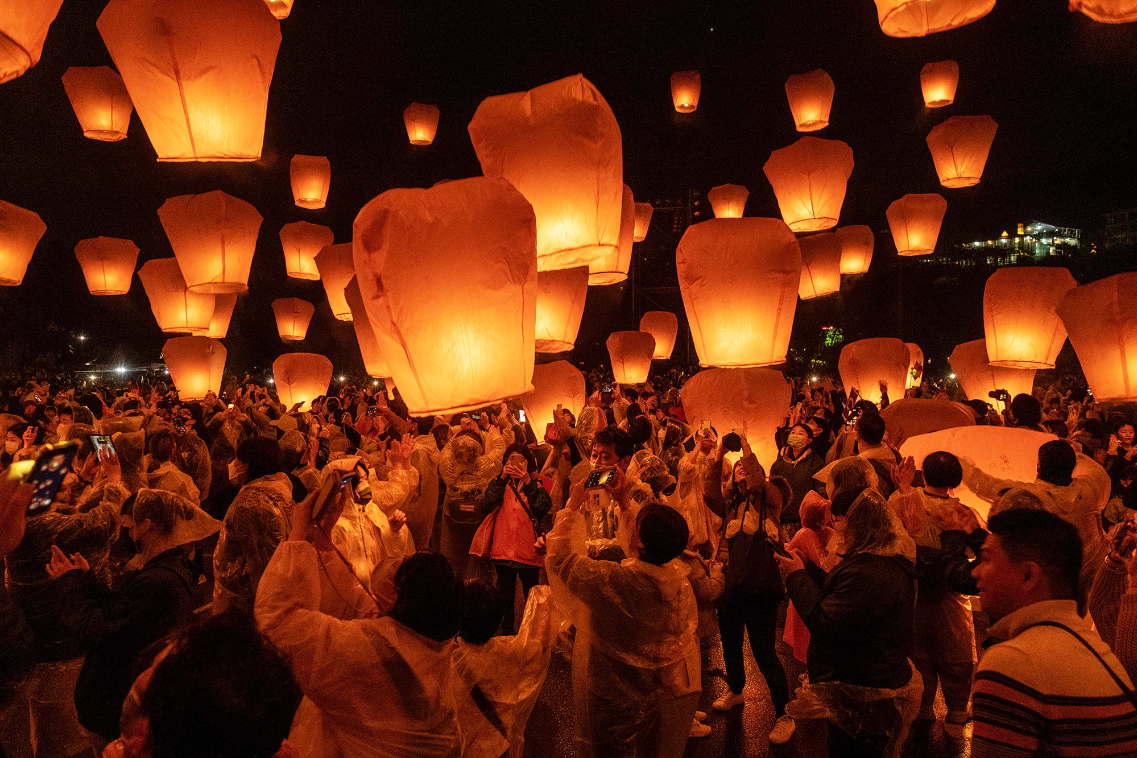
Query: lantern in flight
820 265
750 401
938 82
175 308
214 236
292 317
865 364
416 248
373 361
336 269
856 248
643 221
100 102
197 72
1107 11
1019 319
554 384
311 176
915 366
915 223
728 200
559 145
917 18
959 148
301 242
301 378
560 305
811 99
978 378
809 179
630 353
280 8
223 306
421 122
685 89
612 266
108 264
23 29
20 232
1101 318
739 279
195 365
664 327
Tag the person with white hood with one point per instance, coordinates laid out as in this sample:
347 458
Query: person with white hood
421 503
160 472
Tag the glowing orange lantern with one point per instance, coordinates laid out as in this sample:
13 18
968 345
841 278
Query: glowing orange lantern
559 145
751 401
664 327
23 29
20 232
630 353
915 223
300 378
916 18
811 99
311 176
560 305
978 378
214 236
739 279
373 361
198 73
196 365
301 242
292 317
421 122
108 264
856 248
915 366
1107 11
728 200
223 306
175 308
1019 320
959 148
100 102
416 248
685 89
612 266
557 383
280 8
938 82
643 221
809 179
336 269
820 265
1102 320
864 364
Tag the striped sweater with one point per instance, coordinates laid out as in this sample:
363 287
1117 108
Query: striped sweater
1041 692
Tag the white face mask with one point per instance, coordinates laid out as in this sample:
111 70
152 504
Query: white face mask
796 440
11 447
237 470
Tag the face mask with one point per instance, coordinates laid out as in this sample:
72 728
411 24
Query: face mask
237 470
125 542
11 447
796 440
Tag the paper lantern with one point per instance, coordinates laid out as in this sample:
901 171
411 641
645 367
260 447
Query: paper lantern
820 265
279 8
959 148
560 305
448 276
1107 11
108 264
612 266
292 317
175 308
1019 319
373 362
938 82
20 232
559 145
857 244
1101 318
301 378
557 383
728 200
23 29
198 73
809 179
630 353
421 122
301 242
864 364
750 401
643 221
311 176
912 416
100 102
739 280
916 18
664 327
196 365
685 89
214 236
223 306
978 378
336 269
811 99
915 366
915 223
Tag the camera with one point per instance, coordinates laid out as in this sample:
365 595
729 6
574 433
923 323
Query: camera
1000 395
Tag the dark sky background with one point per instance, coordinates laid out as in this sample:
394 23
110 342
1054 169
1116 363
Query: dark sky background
1061 87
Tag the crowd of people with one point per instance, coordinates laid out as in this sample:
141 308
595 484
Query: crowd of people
230 577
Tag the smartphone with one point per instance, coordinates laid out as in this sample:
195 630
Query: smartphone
599 478
476 416
521 416
778 547
349 480
706 425
47 474
99 443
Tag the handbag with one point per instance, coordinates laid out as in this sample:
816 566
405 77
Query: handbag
751 568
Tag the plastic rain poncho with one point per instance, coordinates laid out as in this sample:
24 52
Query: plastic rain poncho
257 521
167 476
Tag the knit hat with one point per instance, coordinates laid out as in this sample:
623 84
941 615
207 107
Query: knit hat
292 441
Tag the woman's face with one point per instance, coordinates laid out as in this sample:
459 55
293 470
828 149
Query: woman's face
1125 434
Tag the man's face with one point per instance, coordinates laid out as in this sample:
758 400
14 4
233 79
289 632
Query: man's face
604 456
1000 580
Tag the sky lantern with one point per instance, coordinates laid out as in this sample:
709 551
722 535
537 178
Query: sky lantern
300 378
1019 321
20 232
175 308
223 306
421 122
857 244
560 306
750 401
915 366
196 365
915 223
100 102
23 29
612 267
414 250
685 89
1101 318
739 280
292 317
108 264
630 353
311 177
198 73
336 269
1107 11
728 200
643 221
279 8
373 361
664 327
959 148
557 383
978 378
809 179
214 236
864 364
938 82
820 265
559 145
917 18
811 98
301 242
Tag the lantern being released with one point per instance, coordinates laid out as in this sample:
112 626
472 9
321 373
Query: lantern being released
100 102
198 73
630 353
811 99
915 223
108 264
336 269
865 364
685 89
373 361
196 365
20 232
280 8
959 148
916 18
301 242
856 248
292 317
1101 318
301 378
612 267
559 145
938 82
643 221
809 179
1107 11
750 401
311 176
214 236
728 200
560 305
416 248
915 366
175 308
223 306
421 122
23 29
739 279
979 378
664 327
820 265
557 383
1019 320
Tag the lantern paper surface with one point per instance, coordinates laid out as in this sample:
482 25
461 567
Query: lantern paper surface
643 221
557 383
978 378
20 232
809 179
612 266
421 122
1107 11
1101 318
728 200
559 145
912 416
223 306
917 18
100 102
750 401
292 317
301 242
175 308
630 353
311 177
820 265
301 378
960 147
373 361
915 366
448 276
279 8
23 29
857 244
664 327
560 306
214 236
198 73
864 364
336 268
196 365
915 223
938 82
739 280
1019 319
685 89
108 264
811 99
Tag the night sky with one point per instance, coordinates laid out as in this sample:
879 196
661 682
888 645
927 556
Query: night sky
1060 86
